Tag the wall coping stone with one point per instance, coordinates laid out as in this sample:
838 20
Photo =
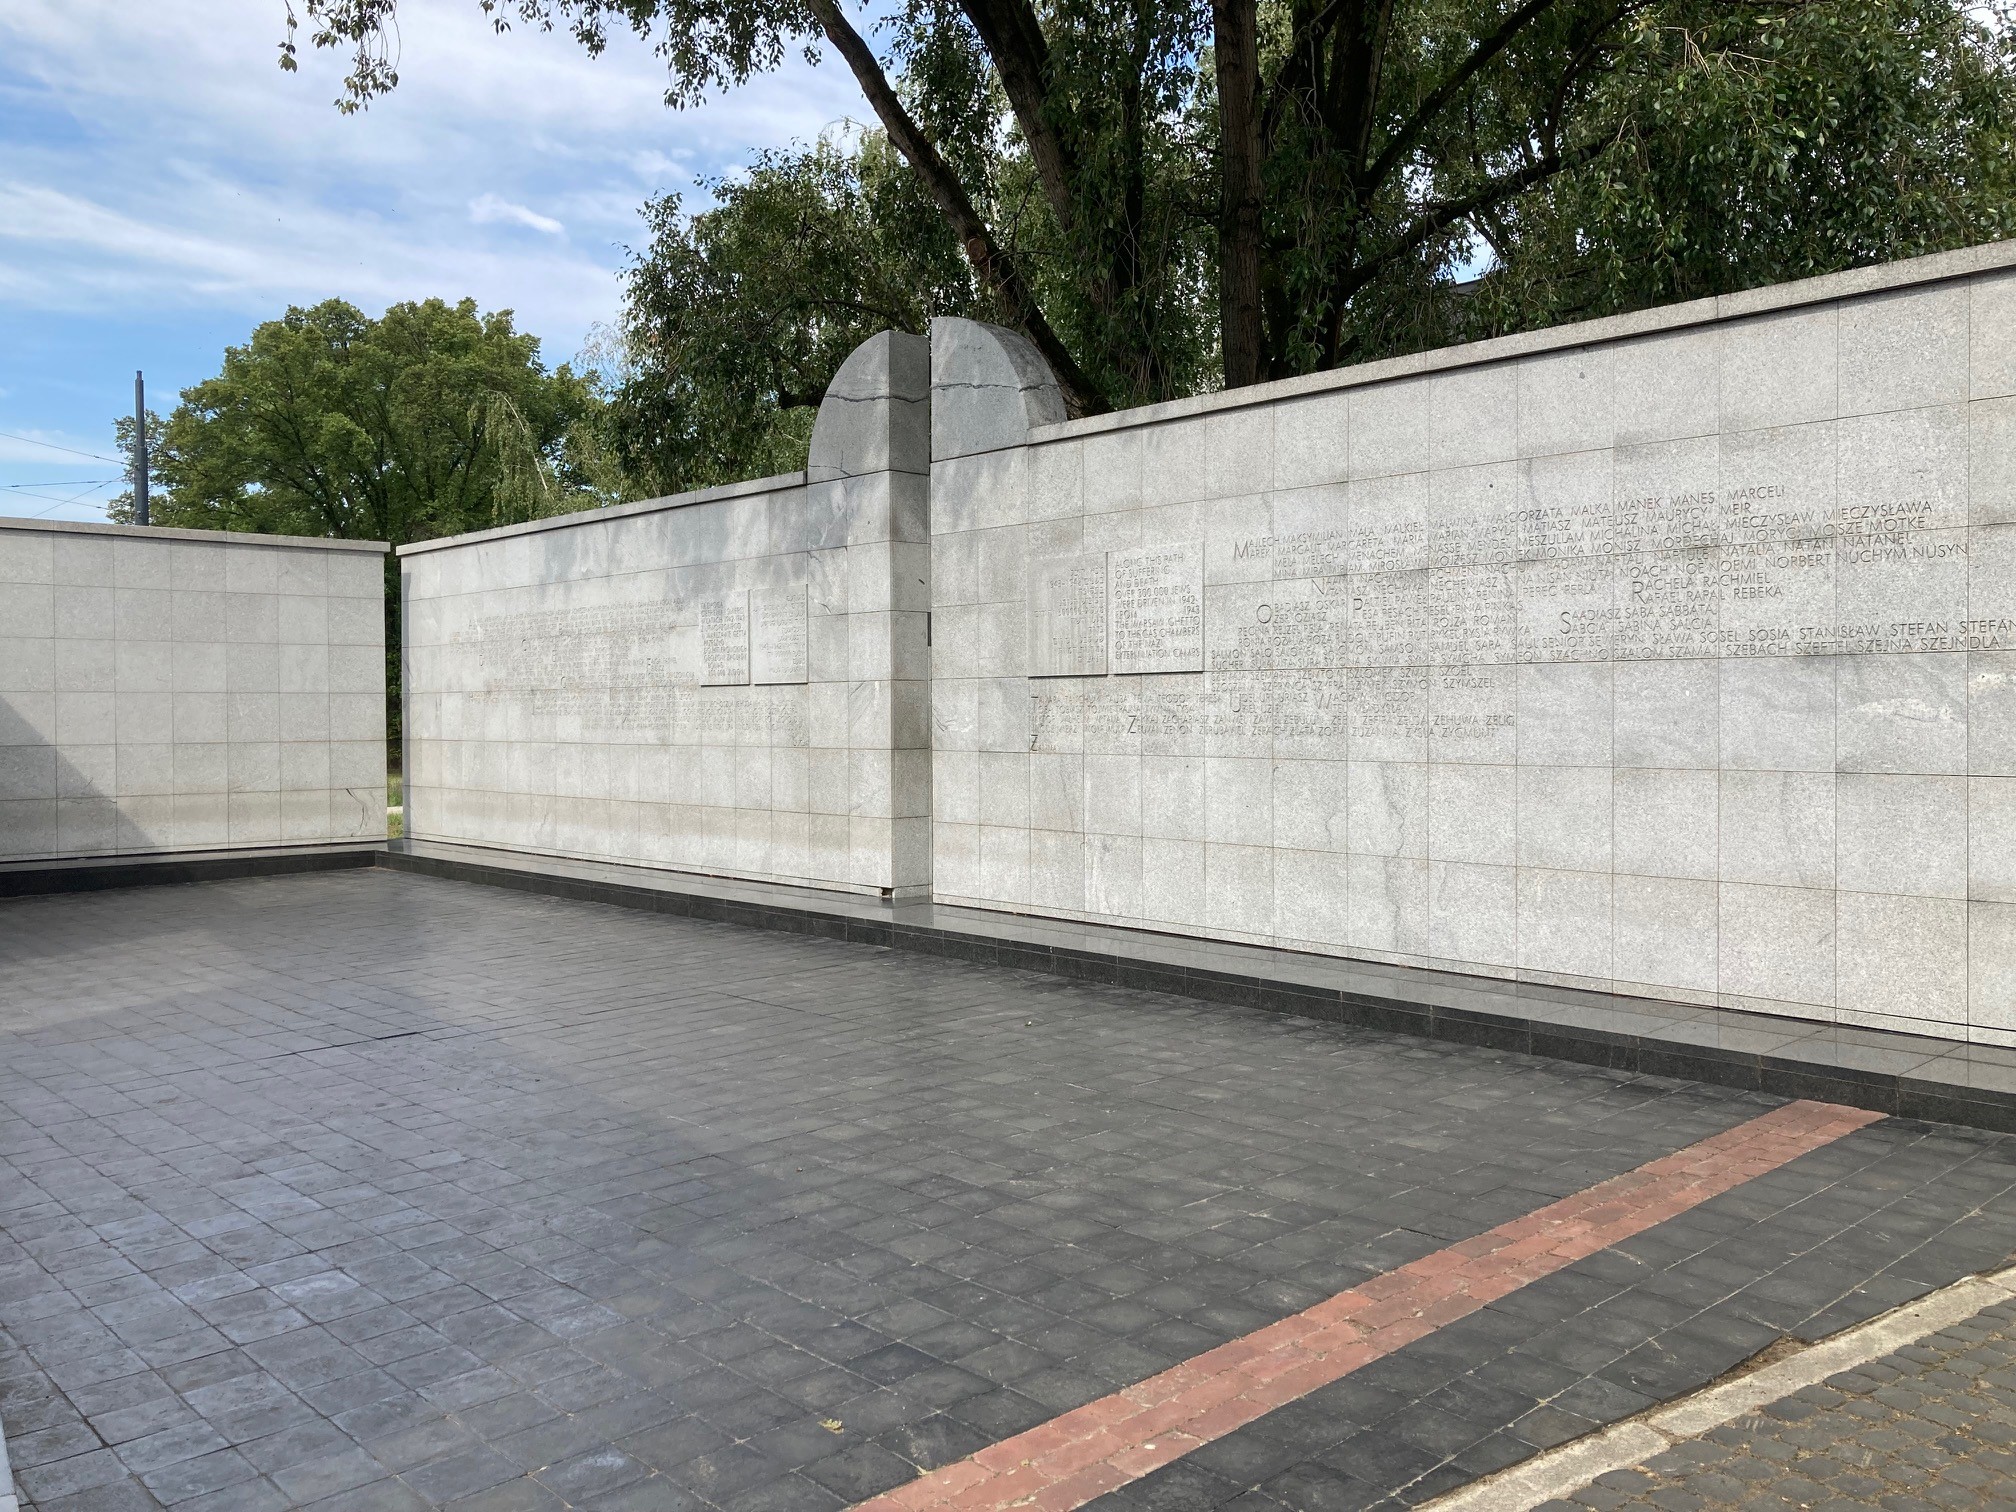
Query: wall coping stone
1914 272
776 484
166 533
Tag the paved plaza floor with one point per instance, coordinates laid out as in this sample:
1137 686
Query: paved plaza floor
361 1190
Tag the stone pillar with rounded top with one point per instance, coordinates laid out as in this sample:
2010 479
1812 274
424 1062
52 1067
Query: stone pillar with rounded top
867 499
990 391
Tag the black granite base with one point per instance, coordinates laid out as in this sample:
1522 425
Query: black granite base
1910 1076
21 879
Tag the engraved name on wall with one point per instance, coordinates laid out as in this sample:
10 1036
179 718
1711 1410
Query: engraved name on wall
610 673
1763 568
1135 611
621 645
1429 605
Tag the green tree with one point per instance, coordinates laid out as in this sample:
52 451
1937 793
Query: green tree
1748 150
429 420
736 318
1288 185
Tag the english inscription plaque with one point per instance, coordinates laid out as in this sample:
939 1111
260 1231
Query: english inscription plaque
724 641
1155 605
777 635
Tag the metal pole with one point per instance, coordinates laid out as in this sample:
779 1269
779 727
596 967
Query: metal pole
139 448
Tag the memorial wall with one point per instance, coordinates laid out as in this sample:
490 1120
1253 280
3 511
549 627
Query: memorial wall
1672 654
732 681
172 690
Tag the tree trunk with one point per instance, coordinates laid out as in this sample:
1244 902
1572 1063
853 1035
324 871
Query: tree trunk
991 262
1235 25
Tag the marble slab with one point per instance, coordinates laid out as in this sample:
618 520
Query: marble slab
730 681
1067 616
777 635
1155 608
178 691
724 641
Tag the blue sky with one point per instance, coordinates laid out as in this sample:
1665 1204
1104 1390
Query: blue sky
164 187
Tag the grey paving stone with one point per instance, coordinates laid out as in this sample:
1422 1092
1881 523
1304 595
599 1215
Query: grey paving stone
461 1474
312 1479
377 1496
522 1495
40 1447
205 1473
119 1496
59 1478
484 1182
244 1496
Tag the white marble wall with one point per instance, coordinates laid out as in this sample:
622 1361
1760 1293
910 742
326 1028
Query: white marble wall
628 684
165 690
1674 655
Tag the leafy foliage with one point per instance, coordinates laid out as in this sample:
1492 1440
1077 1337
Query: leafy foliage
1107 210
737 318
1599 155
1167 194
430 420
1752 149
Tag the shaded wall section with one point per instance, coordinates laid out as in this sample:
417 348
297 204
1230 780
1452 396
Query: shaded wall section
166 690
732 681
1669 654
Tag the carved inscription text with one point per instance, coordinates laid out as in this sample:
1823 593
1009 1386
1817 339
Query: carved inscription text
777 625
724 641
1067 616
1155 607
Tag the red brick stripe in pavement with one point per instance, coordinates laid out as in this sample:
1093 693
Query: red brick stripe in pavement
1062 1464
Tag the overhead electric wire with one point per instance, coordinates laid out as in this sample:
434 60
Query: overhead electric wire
29 490
71 499
94 456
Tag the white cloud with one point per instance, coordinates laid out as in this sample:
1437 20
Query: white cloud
492 209
164 186
158 158
86 256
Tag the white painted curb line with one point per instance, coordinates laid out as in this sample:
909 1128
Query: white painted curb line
8 1501
1566 1470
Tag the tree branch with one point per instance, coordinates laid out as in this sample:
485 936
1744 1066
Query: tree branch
1125 272
1403 140
996 270
1358 67
1013 37
1439 217
1235 32
1300 72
